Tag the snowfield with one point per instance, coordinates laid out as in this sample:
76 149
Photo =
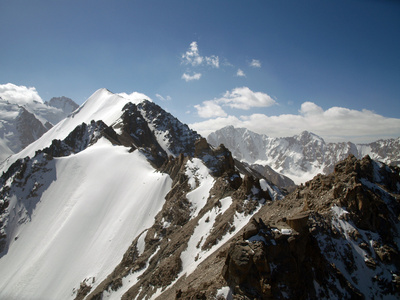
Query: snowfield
97 203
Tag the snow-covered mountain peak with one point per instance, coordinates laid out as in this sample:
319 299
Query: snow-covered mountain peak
307 137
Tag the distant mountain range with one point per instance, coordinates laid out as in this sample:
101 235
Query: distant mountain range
20 125
302 156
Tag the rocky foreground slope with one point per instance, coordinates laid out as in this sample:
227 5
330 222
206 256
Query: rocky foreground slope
336 237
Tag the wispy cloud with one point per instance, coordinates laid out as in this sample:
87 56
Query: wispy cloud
192 55
240 73
193 58
255 63
334 124
212 61
19 94
166 98
187 77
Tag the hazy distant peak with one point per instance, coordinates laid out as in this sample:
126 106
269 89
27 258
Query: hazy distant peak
307 136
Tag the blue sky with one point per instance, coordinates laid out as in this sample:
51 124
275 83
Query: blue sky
276 67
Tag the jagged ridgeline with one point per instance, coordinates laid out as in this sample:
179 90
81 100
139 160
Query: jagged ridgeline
119 199
300 157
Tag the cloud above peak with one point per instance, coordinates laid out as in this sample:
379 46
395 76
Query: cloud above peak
19 94
238 98
210 109
135 96
244 98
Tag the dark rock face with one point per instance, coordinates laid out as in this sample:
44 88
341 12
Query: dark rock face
137 134
179 137
218 160
271 265
155 132
80 138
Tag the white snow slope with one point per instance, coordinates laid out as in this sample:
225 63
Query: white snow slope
98 202
80 222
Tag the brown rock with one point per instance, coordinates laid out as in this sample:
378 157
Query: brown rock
299 221
251 229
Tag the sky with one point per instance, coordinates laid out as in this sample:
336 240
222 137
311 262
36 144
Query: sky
274 67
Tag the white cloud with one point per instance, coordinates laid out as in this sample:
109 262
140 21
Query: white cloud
187 77
334 124
210 109
240 98
255 63
240 73
193 57
135 96
19 94
167 98
244 98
